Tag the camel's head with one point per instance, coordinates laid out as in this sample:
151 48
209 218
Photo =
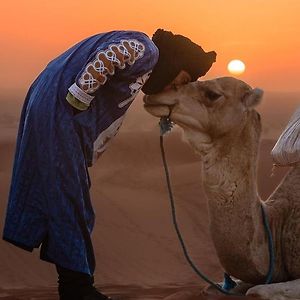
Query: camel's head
208 110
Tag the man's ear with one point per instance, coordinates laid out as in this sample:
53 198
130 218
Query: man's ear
252 97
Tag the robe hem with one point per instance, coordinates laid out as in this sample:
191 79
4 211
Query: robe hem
18 244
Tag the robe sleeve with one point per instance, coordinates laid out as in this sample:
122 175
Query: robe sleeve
132 56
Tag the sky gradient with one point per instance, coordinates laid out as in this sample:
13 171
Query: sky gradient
262 33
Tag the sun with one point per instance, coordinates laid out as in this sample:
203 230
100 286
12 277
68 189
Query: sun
236 67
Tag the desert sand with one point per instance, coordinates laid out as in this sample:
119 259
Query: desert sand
137 251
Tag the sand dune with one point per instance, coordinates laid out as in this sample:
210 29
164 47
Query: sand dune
134 240
137 251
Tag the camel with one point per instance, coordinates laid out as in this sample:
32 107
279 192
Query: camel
219 121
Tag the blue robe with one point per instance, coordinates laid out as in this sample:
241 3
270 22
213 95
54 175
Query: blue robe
49 202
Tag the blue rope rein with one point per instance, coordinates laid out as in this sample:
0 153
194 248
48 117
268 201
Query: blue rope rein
165 126
270 246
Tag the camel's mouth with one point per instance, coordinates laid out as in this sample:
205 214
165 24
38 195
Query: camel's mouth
158 110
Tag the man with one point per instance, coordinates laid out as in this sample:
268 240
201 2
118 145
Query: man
71 112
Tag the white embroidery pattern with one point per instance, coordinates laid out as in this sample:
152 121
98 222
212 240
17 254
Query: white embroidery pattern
135 88
80 95
105 137
95 72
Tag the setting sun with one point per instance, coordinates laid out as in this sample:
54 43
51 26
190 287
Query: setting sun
236 67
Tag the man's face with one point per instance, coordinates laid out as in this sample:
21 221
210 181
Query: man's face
182 78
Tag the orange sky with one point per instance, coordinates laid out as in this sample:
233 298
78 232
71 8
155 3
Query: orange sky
263 33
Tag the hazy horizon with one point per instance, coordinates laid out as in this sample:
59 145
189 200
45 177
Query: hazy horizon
275 109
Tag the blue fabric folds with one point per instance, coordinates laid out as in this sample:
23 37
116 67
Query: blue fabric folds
49 204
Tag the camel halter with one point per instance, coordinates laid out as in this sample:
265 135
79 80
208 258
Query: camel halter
165 126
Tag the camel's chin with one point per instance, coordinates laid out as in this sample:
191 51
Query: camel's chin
157 110
186 123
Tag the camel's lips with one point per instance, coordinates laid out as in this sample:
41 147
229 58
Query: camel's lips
157 109
149 103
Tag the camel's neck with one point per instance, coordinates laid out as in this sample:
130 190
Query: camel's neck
229 170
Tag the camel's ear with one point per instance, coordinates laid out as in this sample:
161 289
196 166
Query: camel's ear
253 97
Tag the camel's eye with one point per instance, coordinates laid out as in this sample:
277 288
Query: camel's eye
211 95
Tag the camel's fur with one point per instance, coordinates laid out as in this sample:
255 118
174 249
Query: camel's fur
219 121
